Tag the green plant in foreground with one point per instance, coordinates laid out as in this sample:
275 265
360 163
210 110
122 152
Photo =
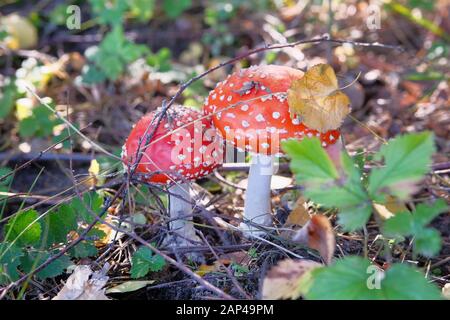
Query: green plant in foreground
110 59
143 261
30 239
406 160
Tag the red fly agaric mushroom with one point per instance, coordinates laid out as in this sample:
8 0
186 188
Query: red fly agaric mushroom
184 147
250 111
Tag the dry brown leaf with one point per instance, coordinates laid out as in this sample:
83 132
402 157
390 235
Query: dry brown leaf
283 281
392 206
299 215
318 234
207 268
318 100
110 233
238 257
84 284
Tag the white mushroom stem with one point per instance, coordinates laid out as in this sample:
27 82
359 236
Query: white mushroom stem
180 210
257 197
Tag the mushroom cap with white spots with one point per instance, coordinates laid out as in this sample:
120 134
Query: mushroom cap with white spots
254 102
184 147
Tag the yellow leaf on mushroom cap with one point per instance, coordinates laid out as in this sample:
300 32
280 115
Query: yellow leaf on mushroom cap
316 98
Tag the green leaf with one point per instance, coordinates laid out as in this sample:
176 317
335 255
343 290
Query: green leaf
8 95
40 123
58 15
401 224
310 162
92 74
129 286
113 41
328 187
160 61
60 223
92 201
354 218
83 250
406 161
34 259
143 261
111 57
9 261
354 278
131 52
173 8
142 9
424 214
3 172
428 242
111 13
96 234
422 4
403 282
346 279
27 127
112 67
24 228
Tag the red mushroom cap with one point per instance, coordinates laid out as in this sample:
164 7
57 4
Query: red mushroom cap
184 147
259 124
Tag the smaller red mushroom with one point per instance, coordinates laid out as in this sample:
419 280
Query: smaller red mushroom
184 147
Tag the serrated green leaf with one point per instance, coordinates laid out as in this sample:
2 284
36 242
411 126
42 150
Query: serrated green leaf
346 279
310 162
400 224
112 13
328 187
354 278
90 200
35 259
113 41
143 261
424 214
83 249
9 261
403 282
112 67
60 223
23 228
407 159
354 218
427 242
131 52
